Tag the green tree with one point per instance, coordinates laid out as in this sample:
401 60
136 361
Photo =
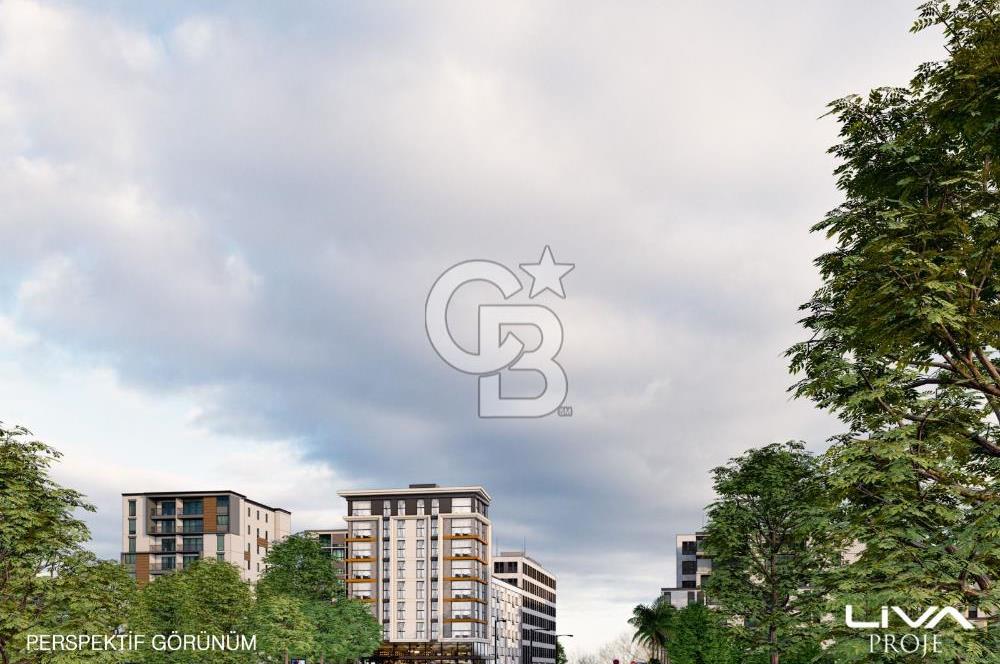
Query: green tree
342 629
47 582
653 624
207 598
770 540
297 567
905 329
700 636
560 653
282 628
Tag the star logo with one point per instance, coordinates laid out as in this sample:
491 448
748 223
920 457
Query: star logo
547 274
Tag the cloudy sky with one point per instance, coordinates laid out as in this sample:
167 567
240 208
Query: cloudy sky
219 225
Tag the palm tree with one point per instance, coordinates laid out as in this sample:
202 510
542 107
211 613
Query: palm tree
653 625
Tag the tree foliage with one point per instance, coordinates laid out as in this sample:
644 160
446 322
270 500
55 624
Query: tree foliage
700 636
48 583
905 329
653 624
770 540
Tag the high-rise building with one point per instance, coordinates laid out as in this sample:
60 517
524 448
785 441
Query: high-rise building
164 531
421 557
506 602
693 567
538 608
334 544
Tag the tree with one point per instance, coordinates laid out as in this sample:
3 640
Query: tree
298 567
701 637
653 624
47 582
282 628
560 653
769 537
208 597
342 628
905 329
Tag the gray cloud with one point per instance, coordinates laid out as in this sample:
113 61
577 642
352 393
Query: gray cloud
253 206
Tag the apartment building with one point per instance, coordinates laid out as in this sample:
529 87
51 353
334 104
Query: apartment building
334 544
693 567
165 531
538 608
506 602
421 557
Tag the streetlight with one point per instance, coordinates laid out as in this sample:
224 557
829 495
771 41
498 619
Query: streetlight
496 639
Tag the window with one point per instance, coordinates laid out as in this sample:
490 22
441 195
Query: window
421 528
400 611
265 517
421 590
222 521
131 508
220 542
401 567
421 549
131 526
689 548
131 545
420 569
435 506
258 515
688 584
222 504
220 556
192 506
400 629
193 526
401 529
461 505
191 544
400 507
420 507
386 508
689 567
361 508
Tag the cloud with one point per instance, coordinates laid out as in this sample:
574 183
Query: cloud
219 231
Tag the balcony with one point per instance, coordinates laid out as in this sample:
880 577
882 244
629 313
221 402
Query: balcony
163 528
163 513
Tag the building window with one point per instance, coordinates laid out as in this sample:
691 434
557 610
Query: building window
220 556
689 567
131 508
361 508
400 507
193 526
258 515
131 526
420 507
220 542
461 505
193 507
689 548
131 545
401 529
435 505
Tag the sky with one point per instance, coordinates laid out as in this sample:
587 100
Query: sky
220 223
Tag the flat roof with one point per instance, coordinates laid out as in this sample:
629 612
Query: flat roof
414 491
167 494
525 556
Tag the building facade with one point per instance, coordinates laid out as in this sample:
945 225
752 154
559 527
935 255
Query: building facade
334 544
693 567
538 608
506 602
421 557
168 530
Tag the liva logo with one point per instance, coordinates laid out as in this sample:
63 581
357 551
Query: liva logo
909 643
923 620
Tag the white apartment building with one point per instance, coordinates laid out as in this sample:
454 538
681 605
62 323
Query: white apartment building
421 557
538 607
164 531
506 603
693 567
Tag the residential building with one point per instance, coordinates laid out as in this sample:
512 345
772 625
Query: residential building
538 608
421 557
334 544
506 602
693 567
164 531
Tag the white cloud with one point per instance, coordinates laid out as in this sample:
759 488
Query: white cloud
219 231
